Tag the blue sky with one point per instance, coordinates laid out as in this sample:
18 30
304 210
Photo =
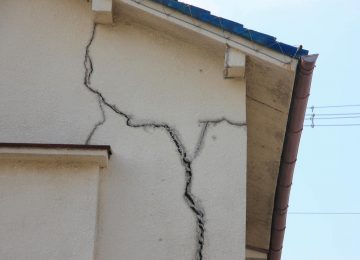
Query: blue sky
327 175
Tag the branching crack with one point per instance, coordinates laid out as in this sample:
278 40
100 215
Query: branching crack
186 160
205 126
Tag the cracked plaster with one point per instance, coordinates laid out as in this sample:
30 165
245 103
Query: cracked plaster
183 94
192 201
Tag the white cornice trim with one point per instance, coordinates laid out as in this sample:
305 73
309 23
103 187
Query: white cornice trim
56 155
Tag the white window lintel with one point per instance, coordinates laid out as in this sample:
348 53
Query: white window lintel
64 153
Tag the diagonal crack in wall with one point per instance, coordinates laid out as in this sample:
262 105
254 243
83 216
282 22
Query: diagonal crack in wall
186 160
99 123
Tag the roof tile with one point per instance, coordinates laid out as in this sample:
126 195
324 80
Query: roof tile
233 27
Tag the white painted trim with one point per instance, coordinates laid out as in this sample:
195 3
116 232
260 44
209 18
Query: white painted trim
102 10
243 45
63 155
235 63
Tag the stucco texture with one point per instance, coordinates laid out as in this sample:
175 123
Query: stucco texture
153 77
48 210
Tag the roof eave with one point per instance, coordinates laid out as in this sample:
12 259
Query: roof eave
249 42
233 27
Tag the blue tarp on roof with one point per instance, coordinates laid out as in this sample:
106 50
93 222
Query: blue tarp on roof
233 27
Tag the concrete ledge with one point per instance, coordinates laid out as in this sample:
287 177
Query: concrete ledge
65 153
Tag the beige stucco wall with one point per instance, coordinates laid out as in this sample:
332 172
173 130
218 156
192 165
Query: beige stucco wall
48 210
154 77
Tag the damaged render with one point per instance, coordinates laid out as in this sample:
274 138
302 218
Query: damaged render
98 124
186 160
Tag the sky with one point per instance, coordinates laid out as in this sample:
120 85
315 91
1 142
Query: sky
327 175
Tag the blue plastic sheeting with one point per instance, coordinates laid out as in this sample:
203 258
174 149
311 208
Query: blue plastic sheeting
233 27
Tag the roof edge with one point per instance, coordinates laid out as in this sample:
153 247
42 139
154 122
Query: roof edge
294 129
235 28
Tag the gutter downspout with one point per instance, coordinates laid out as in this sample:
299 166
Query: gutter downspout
294 129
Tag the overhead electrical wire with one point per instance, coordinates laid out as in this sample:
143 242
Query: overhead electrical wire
335 117
315 125
335 106
335 113
324 213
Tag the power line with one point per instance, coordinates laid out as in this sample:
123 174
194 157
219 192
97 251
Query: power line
337 106
336 114
328 118
333 125
313 117
324 213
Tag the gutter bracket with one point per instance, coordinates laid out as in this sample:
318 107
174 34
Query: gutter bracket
103 11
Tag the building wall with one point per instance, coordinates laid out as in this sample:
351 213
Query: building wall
162 104
48 210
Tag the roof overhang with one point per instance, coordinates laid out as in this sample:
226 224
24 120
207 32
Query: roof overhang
221 36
